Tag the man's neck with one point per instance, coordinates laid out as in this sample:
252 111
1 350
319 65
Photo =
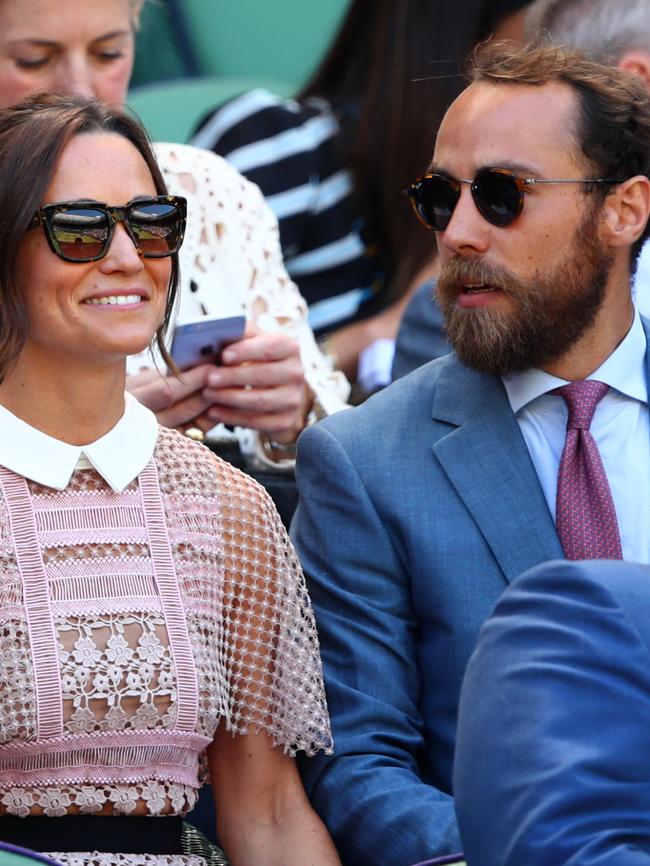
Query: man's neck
609 329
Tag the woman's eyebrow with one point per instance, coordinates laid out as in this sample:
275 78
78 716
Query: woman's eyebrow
114 34
42 43
48 43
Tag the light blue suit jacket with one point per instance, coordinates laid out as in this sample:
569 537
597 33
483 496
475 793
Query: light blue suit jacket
416 509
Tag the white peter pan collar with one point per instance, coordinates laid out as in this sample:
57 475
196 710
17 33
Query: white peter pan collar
118 456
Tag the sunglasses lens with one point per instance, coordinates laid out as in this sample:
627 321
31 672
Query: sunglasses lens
497 196
434 199
157 228
80 233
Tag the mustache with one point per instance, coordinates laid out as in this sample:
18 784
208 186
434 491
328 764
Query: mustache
458 271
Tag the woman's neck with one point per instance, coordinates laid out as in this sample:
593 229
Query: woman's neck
75 403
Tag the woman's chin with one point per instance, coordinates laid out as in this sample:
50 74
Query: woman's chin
128 345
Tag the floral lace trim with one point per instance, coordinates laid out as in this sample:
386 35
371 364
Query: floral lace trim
96 858
159 798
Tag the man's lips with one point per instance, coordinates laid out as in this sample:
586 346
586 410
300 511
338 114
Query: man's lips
477 294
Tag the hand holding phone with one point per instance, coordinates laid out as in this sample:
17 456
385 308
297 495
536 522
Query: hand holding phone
201 342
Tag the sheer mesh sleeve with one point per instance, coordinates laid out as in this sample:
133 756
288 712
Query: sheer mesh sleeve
267 641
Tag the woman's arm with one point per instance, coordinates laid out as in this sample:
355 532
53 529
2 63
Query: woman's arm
263 815
273 683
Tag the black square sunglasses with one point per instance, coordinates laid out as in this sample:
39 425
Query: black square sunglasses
498 194
81 231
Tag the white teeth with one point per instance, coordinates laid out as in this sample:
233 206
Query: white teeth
115 300
476 289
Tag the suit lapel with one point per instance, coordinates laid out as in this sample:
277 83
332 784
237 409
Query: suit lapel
486 459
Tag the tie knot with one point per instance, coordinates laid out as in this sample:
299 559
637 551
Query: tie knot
581 399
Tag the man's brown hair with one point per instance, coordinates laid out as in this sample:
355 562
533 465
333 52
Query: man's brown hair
612 124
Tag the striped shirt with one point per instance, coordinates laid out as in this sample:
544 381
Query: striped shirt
292 152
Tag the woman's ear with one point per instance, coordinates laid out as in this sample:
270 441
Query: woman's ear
626 211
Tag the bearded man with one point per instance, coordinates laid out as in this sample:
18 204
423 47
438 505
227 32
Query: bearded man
417 508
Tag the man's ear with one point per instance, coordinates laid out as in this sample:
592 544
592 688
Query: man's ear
626 211
638 63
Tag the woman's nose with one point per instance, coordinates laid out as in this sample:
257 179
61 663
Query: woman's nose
122 254
74 75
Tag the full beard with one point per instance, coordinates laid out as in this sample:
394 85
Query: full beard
550 314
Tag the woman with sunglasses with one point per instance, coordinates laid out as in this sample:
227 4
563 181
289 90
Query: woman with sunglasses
276 379
155 622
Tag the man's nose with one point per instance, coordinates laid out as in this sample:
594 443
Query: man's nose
467 231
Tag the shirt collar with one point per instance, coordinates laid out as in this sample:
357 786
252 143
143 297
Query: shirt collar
623 370
118 456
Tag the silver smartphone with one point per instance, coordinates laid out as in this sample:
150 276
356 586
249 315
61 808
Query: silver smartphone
201 342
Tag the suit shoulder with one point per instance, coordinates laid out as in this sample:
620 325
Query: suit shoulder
404 403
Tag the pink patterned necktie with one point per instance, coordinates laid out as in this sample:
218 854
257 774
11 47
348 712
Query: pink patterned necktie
585 514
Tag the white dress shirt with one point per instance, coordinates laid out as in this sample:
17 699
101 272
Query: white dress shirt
642 281
620 427
118 456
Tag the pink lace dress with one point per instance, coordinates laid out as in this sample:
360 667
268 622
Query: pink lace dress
132 624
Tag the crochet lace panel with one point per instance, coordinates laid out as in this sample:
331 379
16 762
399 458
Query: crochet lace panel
135 623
